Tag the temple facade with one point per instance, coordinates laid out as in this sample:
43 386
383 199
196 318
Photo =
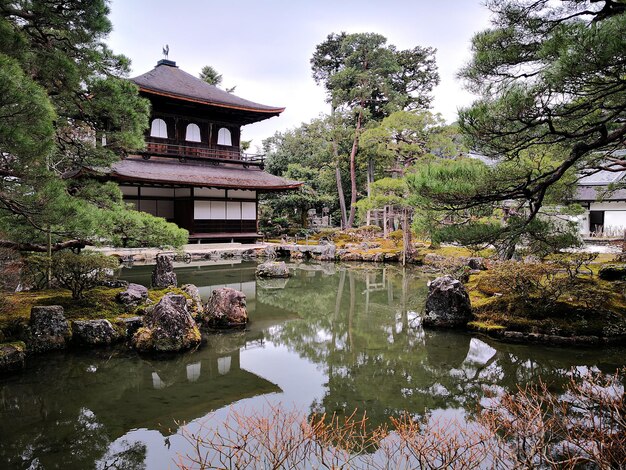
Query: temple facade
192 171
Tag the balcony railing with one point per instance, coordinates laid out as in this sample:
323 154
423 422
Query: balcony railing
218 154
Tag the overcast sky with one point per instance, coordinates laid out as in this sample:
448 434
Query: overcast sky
264 47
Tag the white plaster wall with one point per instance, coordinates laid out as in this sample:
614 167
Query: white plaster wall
202 210
248 210
218 210
233 210
129 190
163 192
614 222
608 206
209 192
182 192
241 194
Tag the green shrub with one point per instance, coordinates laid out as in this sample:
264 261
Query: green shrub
80 272
369 231
396 236
536 287
35 271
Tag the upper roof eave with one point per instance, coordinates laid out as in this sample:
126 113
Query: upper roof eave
166 79
270 111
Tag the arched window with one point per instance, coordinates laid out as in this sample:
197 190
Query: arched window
223 137
193 133
158 129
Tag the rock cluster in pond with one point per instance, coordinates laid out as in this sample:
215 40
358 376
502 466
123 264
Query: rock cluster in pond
49 329
272 269
133 296
94 333
168 327
12 356
194 303
447 304
163 274
226 308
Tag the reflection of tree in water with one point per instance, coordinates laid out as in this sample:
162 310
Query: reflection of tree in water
360 326
70 410
130 456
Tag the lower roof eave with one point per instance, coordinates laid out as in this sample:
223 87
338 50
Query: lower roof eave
126 179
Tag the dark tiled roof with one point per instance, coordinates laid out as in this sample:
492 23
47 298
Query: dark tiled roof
168 80
595 193
167 171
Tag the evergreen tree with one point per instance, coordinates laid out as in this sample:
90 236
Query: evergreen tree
551 80
367 79
67 112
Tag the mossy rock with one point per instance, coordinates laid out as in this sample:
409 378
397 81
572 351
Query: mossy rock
613 272
12 356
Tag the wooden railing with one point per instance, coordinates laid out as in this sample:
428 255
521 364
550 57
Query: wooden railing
220 154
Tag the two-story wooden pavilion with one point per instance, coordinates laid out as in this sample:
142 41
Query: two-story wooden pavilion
192 171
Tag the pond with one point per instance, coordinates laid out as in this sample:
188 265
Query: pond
334 337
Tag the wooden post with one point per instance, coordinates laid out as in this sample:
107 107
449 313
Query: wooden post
385 227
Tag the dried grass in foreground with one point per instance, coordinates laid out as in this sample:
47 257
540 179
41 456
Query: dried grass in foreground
585 427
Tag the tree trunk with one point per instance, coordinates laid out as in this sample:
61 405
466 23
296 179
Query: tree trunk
340 195
385 225
370 180
355 146
406 235
49 259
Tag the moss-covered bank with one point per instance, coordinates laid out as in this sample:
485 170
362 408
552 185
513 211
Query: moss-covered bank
98 303
584 309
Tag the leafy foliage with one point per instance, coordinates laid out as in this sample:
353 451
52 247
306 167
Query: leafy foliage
67 112
406 137
366 79
550 76
454 204
79 272
210 75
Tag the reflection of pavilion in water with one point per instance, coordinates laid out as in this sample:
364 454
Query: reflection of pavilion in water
111 398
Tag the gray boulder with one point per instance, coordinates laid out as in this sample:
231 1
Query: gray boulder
168 327
272 269
130 324
327 252
12 356
49 330
226 308
133 296
476 263
270 252
433 258
447 304
194 304
94 333
163 274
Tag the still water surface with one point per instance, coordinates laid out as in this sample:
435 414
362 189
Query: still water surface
331 338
